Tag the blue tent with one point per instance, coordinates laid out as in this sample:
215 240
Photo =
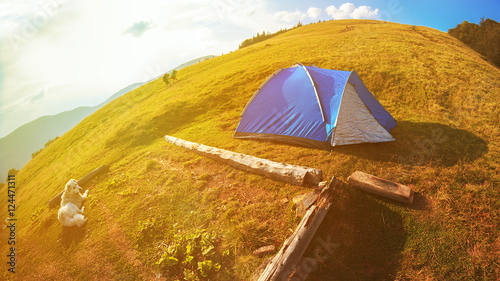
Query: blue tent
315 107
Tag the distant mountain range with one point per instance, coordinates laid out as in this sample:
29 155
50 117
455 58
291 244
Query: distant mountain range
17 147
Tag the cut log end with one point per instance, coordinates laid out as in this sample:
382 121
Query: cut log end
313 177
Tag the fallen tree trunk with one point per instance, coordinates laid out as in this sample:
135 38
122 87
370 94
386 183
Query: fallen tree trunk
299 175
286 262
381 187
54 202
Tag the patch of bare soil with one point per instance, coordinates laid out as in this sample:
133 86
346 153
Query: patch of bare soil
124 245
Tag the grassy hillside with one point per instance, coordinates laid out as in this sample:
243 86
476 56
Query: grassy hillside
16 148
444 97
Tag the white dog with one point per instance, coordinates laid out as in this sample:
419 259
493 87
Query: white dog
71 211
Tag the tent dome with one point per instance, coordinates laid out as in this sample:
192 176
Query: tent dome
315 107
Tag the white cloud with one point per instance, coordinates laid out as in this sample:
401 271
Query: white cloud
342 12
364 12
314 12
289 16
349 11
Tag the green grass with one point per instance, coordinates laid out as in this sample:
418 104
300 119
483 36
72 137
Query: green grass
444 96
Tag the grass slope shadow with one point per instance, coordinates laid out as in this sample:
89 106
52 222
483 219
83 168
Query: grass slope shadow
422 143
369 239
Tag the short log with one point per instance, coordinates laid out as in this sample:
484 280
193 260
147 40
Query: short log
298 175
264 250
54 202
381 187
284 264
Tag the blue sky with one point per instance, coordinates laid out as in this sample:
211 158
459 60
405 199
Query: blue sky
56 55
438 14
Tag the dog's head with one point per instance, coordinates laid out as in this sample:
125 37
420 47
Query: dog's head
72 187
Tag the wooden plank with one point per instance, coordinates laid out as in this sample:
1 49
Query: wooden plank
54 202
285 262
381 187
299 175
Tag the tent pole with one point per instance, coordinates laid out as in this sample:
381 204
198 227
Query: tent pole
315 92
317 97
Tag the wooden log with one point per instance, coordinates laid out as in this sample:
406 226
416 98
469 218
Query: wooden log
54 202
284 264
299 175
381 187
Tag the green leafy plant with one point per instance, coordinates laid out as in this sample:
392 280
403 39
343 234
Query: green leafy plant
192 256
148 231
